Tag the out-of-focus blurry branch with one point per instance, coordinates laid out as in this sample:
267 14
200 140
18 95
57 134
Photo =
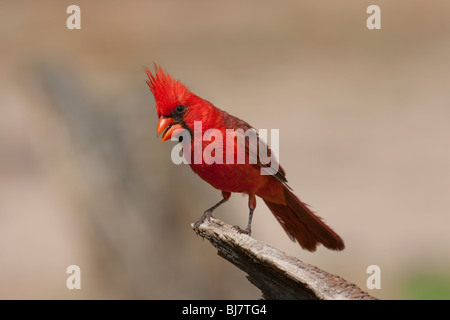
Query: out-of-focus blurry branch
276 274
113 184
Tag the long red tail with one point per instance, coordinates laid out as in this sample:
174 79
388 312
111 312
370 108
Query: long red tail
303 225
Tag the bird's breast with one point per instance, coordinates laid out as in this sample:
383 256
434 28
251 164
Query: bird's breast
243 178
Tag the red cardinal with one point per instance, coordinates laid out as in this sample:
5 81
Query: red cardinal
178 108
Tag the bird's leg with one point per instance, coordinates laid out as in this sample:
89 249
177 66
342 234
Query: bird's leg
251 207
208 213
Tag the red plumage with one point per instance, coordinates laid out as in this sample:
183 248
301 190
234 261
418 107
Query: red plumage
177 107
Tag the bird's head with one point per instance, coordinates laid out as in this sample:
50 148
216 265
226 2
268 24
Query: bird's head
177 107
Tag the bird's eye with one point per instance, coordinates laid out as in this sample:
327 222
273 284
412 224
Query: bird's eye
180 109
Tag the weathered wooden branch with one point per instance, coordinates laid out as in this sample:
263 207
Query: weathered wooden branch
277 275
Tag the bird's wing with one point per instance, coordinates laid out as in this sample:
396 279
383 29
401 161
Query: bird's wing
269 165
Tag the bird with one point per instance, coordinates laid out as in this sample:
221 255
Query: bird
178 110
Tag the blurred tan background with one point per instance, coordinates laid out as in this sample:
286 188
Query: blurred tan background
364 128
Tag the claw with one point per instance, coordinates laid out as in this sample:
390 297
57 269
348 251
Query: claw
205 216
246 231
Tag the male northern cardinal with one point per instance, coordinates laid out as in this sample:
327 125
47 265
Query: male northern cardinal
178 108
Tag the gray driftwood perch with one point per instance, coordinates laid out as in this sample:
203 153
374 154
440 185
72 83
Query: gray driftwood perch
276 274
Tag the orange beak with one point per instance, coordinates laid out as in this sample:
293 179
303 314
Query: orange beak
170 125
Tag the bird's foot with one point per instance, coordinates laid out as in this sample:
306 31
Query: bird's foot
246 231
206 216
